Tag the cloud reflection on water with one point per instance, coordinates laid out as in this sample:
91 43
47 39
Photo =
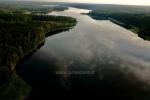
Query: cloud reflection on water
117 56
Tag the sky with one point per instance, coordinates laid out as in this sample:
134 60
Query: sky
129 2
125 2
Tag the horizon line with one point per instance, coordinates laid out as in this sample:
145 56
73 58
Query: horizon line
74 2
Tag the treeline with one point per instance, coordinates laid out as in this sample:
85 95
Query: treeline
29 7
19 34
44 9
61 19
139 23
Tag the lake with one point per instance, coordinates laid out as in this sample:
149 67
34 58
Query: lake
95 58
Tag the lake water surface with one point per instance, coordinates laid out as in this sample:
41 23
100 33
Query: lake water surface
95 57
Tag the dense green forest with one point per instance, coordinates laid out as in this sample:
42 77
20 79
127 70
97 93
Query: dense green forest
29 7
20 33
112 7
136 22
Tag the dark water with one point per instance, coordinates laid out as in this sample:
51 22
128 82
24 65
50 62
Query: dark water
94 59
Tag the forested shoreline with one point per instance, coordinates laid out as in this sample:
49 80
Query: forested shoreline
136 22
19 34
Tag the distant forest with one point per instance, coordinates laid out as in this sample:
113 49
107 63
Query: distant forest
136 22
112 8
134 18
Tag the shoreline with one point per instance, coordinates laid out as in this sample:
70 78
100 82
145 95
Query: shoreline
131 28
40 44
13 74
43 41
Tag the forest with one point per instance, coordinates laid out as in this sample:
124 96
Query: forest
136 22
29 7
21 33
